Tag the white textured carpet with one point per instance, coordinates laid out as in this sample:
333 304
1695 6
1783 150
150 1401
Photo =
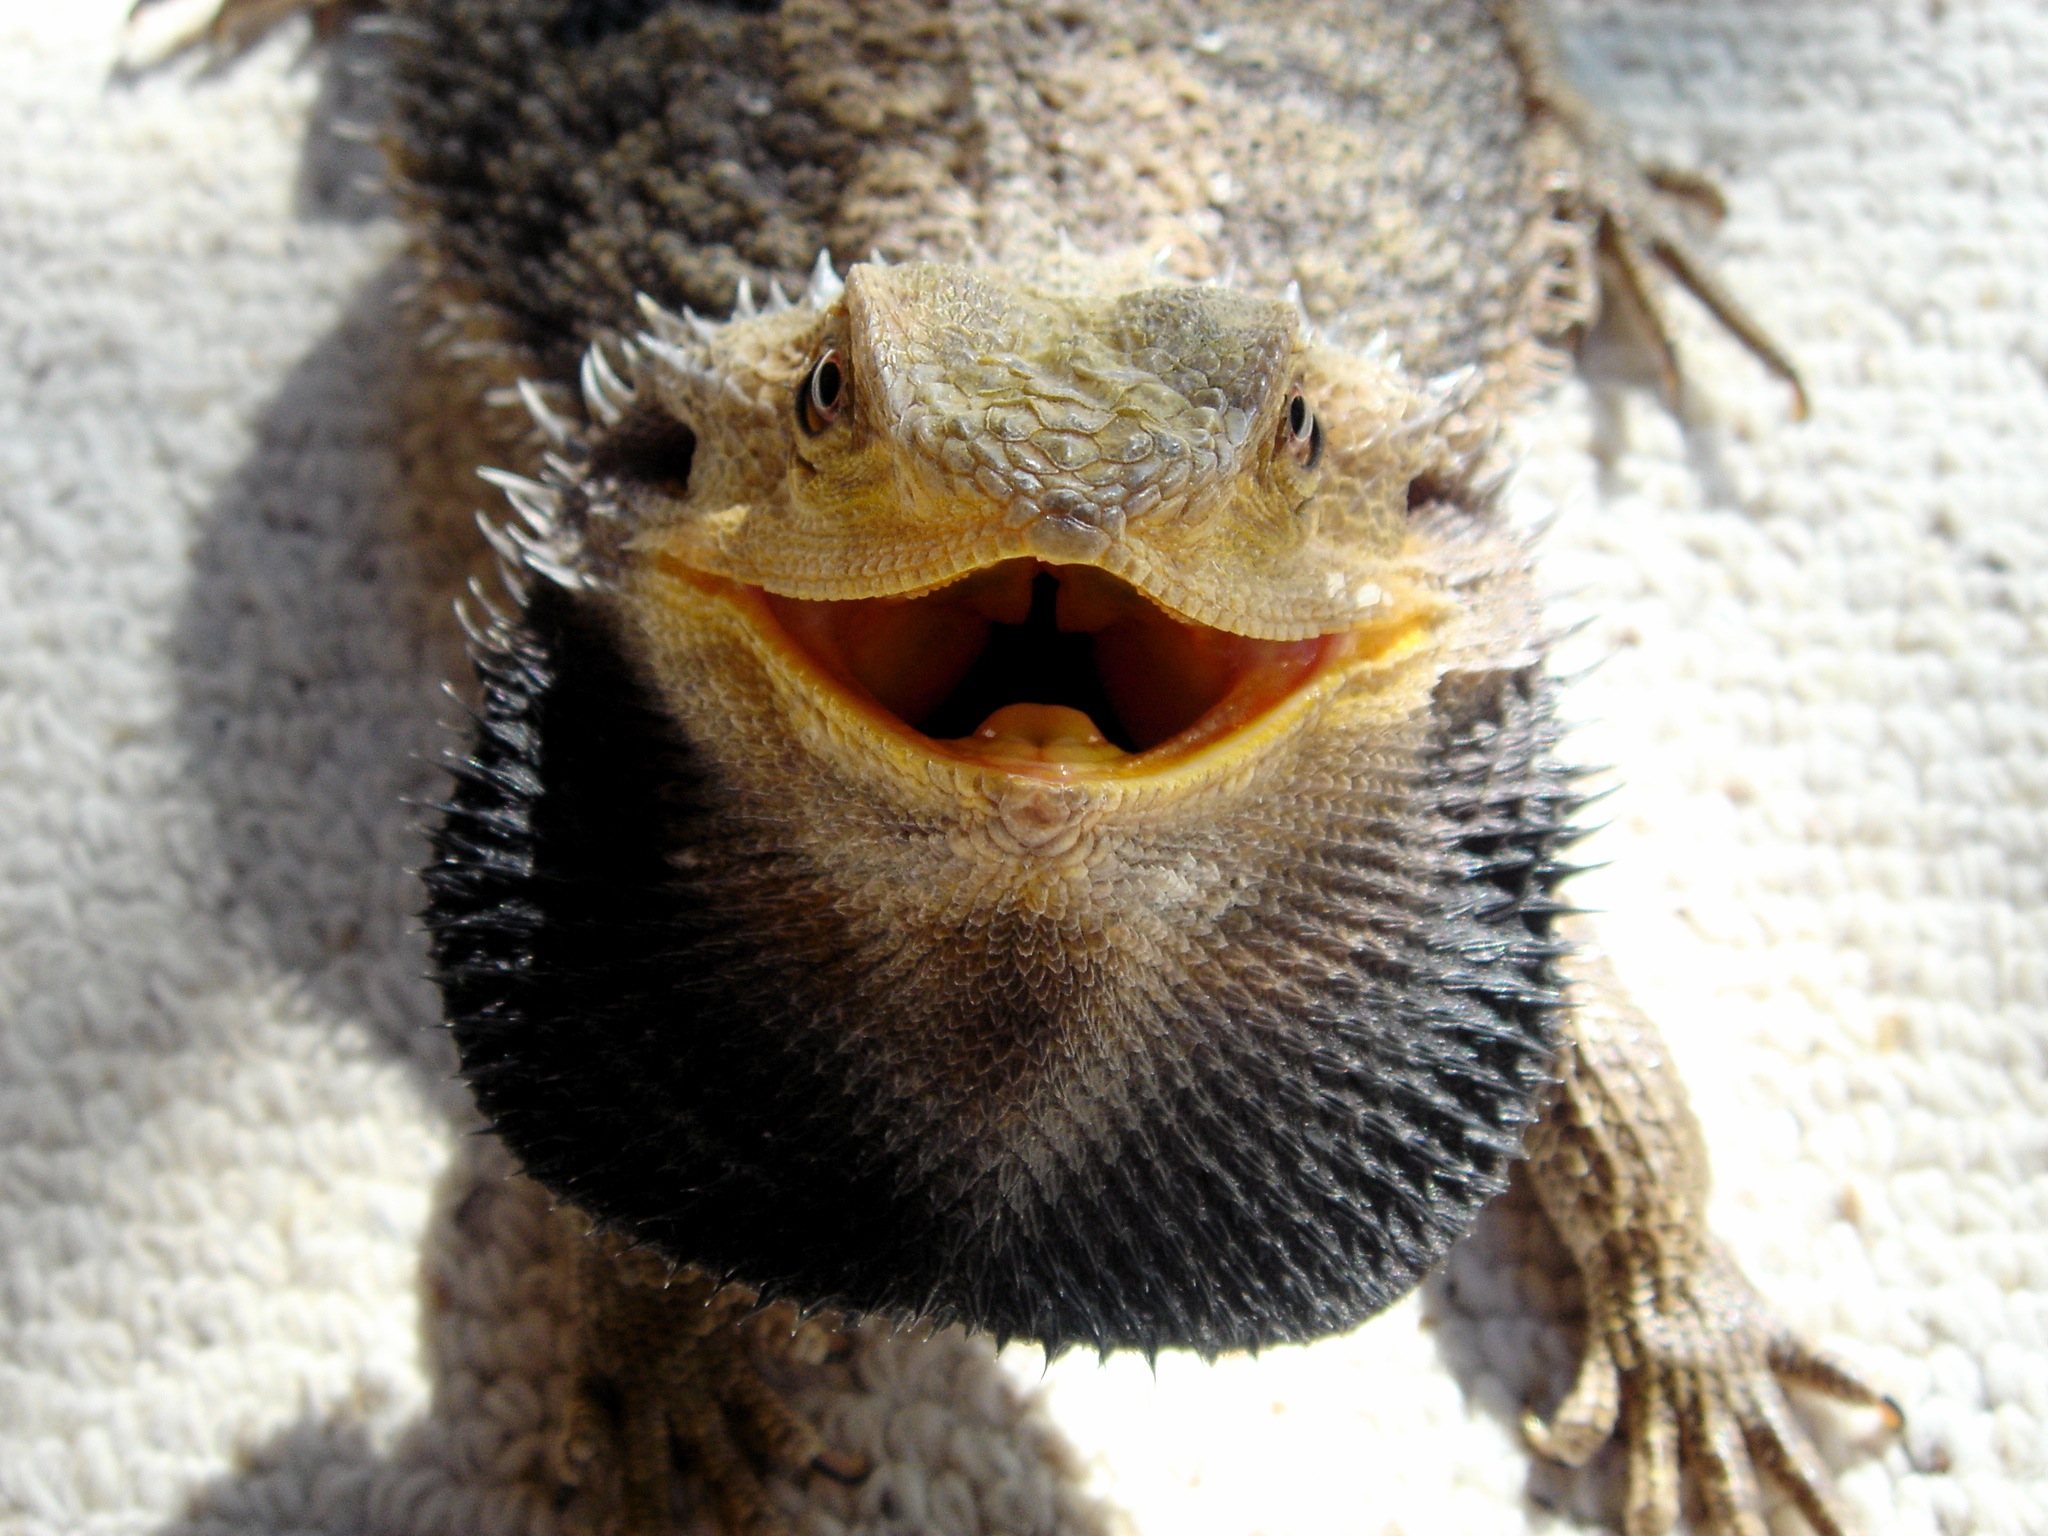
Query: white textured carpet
256 1278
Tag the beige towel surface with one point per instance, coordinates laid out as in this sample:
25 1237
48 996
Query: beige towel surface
256 1276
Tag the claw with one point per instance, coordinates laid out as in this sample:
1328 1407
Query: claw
1777 1445
1619 1167
1632 228
1703 285
1619 246
845 1468
1798 1362
1713 1443
1651 1427
1584 1421
1689 186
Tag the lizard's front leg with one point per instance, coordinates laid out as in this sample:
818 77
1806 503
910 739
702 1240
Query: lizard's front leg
667 1365
1680 1349
1626 203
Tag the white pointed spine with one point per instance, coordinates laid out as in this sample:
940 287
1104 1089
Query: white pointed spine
605 394
678 360
475 630
778 301
825 286
540 540
692 369
552 427
1293 299
497 616
665 324
1456 388
519 550
743 305
499 540
560 574
538 504
1442 398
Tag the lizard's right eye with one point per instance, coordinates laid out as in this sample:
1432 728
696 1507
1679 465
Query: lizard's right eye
1301 434
823 394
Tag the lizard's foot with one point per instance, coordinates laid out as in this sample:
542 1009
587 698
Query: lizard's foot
234 26
1629 205
668 1365
1691 1364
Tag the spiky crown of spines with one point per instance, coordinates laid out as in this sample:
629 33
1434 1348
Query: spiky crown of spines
553 515
546 536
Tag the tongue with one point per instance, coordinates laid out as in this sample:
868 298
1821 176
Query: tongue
1042 733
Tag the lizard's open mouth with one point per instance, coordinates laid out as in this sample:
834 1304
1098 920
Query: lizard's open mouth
1047 669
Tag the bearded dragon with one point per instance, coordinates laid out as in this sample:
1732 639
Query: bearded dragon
1019 786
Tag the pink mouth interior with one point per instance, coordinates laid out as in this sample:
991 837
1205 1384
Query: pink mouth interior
953 664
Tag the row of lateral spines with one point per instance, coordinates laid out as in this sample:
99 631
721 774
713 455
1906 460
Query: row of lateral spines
1502 807
1507 807
1229 1280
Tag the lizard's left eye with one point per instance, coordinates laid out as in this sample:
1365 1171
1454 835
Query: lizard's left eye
823 394
1301 434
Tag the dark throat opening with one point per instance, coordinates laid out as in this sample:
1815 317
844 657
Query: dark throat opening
1030 663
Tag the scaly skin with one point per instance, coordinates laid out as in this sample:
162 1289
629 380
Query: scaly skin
1026 1029
1216 1041
1681 1353
924 842
673 1351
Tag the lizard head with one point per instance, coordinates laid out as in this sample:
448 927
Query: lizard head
1071 535
936 420
991 786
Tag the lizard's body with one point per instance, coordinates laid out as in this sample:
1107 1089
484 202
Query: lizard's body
1262 141
1437 198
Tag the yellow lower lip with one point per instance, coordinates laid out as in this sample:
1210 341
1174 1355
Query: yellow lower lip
1053 743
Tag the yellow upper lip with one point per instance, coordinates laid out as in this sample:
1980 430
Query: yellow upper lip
925 672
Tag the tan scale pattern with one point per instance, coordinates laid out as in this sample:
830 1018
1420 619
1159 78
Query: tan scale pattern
1667 1414
1135 429
997 394
1681 1353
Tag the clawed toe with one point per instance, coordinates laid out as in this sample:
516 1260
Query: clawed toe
1697 1358
1702 1408
235 26
843 1467
1625 204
